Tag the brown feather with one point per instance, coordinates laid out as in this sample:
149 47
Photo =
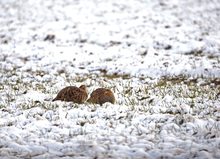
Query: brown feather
101 96
72 94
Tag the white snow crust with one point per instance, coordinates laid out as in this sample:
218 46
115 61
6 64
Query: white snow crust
46 45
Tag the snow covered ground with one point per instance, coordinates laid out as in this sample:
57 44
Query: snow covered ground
161 59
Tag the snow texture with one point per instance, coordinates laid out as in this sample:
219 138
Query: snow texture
46 45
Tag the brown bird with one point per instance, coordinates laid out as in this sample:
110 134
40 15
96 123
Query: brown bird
73 94
101 96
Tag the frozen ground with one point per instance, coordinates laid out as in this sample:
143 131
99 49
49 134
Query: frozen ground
161 58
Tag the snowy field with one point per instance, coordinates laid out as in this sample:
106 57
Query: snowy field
160 58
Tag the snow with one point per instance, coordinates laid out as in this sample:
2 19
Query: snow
130 46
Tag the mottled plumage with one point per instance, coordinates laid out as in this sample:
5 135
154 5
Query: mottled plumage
73 94
101 96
